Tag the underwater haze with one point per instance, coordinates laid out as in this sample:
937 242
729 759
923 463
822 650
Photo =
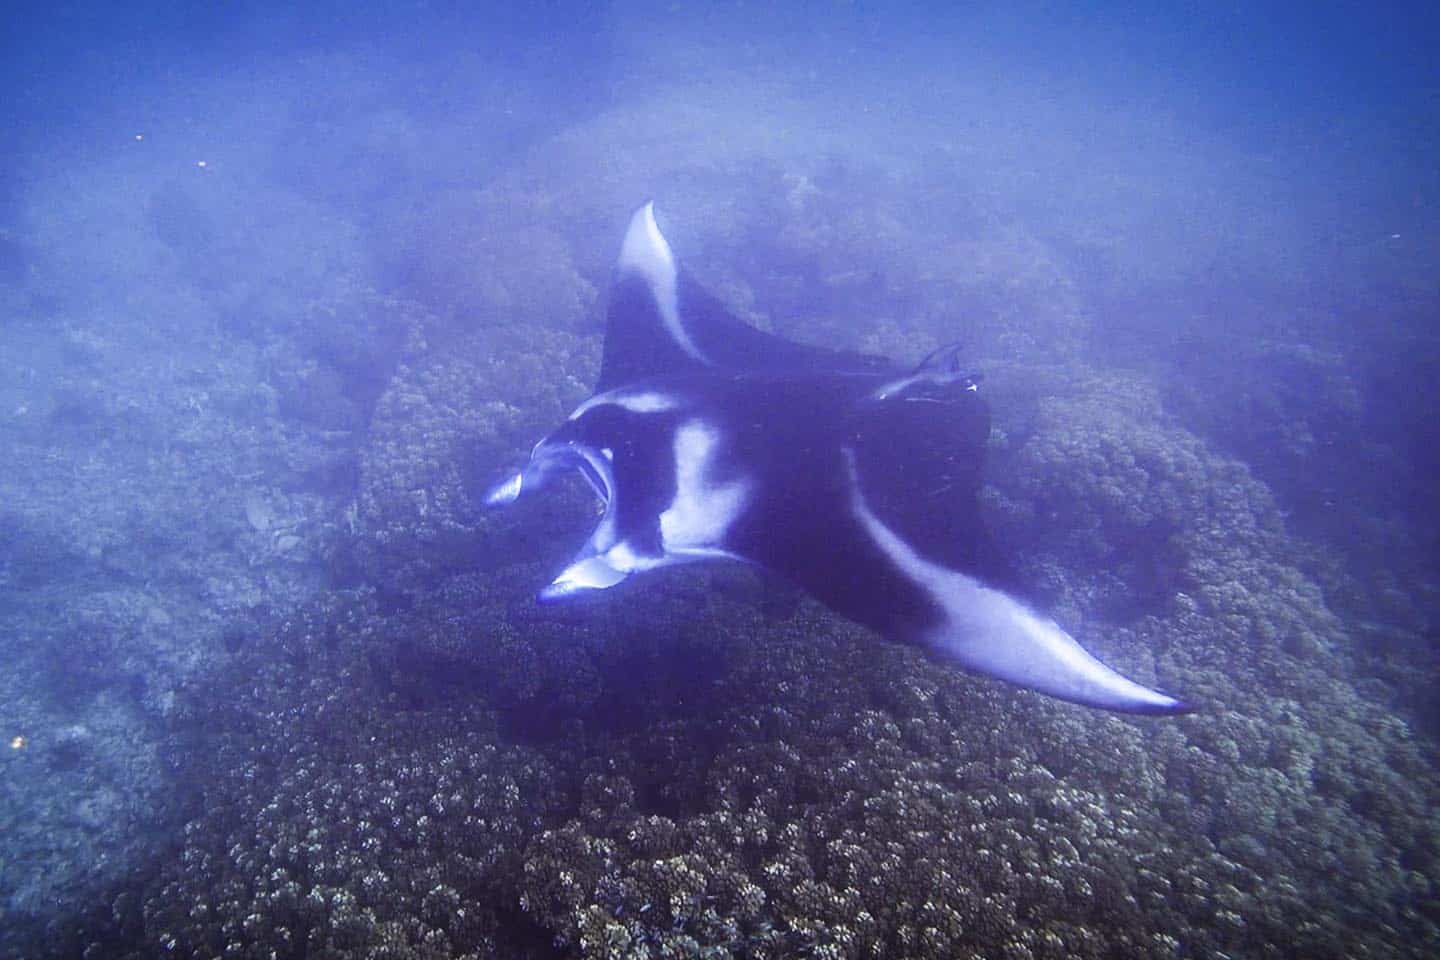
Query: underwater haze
284 291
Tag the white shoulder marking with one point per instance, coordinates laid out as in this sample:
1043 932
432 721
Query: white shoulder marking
992 632
646 254
647 401
887 390
703 510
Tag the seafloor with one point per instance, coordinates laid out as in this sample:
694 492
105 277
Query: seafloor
283 693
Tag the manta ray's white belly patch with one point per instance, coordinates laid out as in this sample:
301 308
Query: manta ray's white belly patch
703 509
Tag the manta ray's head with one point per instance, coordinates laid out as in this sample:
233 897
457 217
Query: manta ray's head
560 454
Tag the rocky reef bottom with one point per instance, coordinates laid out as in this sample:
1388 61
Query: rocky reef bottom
732 778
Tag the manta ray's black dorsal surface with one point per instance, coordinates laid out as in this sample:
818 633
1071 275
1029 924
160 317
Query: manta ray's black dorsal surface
855 478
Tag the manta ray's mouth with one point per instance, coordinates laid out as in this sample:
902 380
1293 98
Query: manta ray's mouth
551 459
596 470
596 466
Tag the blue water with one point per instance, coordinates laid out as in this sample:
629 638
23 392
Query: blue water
283 292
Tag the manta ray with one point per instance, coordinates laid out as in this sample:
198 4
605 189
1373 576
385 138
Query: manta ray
850 476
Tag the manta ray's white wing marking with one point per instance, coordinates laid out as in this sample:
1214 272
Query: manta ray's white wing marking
646 254
993 633
703 510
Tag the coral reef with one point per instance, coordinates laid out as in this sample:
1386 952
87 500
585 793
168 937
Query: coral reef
819 792
338 823
878 805
822 793
695 770
250 588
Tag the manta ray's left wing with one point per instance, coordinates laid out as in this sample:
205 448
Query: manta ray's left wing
662 322
970 619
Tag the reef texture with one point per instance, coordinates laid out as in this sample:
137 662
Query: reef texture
345 824
700 772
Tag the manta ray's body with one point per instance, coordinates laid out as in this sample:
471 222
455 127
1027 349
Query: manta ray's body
855 479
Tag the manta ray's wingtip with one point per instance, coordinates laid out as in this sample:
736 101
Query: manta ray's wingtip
1150 703
1163 706
645 250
